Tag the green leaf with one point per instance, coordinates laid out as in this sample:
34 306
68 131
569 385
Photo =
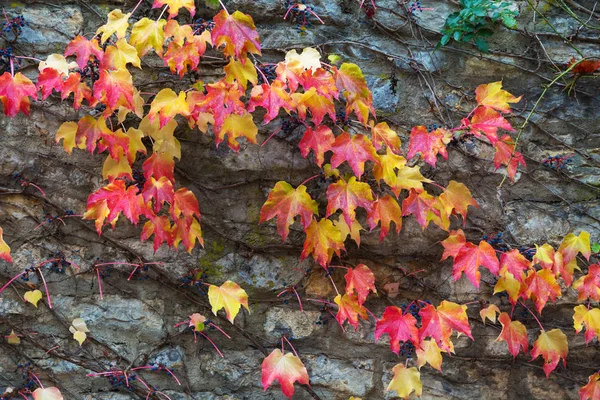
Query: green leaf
596 248
482 45
444 40
509 22
212 3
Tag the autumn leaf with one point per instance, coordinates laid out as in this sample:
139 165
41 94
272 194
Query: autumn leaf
486 120
185 57
184 203
241 72
285 203
309 59
13 338
49 393
361 280
175 5
429 352
117 23
418 204
84 49
112 199
515 263
187 230
322 81
323 239
15 92
572 245
119 55
286 369
453 243
429 144
355 150
349 308
197 322
492 95
236 126
319 140
385 210
471 257
489 312
272 98
115 89
457 199
346 196
552 346
33 297
506 155
400 326
541 286
514 334
161 191
318 105
79 329
591 391
160 227
49 79
167 104
587 286
4 248
507 282
350 78
117 168
229 296
406 381
236 31
590 318
80 90
441 321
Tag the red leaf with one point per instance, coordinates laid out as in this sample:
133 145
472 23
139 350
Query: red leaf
541 286
84 48
349 308
15 92
429 144
588 286
159 165
286 369
515 263
346 196
584 67
109 201
591 391
160 227
439 323
160 190
115 89
506 155
514 334
80 90
361 280
418 204
453 243
237 32
471 257
49 79
552 346
355 150
272 98
399 326
486 120
387 210
184 203
187 230
319 141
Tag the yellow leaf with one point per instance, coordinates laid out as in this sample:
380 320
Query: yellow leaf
117 23
492 95
13 338
507 282
119 55
430 353
242 72
489 312
33 297
236 126
229 296
57 62
80 337
67 131
113 169
406 380
588 318
309 59
571 245
167 104
148 34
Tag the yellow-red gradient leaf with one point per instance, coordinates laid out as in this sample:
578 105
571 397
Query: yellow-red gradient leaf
185 57
160 227
382 134
184 203
116 168
429 352
438 323
318 140
486 120
406 381
285 203
552 346
272 98
323 239
148 34
590 318
355 150
119 55
175 5
349 309
229 296
573 244
318 105
591 391
236 31
361 280
471 257
541 287
237 126
400 326
4 249
167 104
457 198
515 263
418 204
115 89
353 231
350 78
49 79
49 393
15 92
116 23
492 95
286 369
109 201
187 230
508 283
544 256
84 49
161 191
385 210
346 196
588 286
506 155
489 312
514 334
429 144
453 243
80 90
241 72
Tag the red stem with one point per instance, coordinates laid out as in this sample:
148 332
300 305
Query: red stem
133 272
135 8
181 323
287 12
161 393
315 14
220 330
270 137
116 263
11 281
144 383
333 283
99 283
37 379
533 315
173 375
12 67
293 349
46 287
310 179
29 58
162 13
299 301
263 76
224 8
213 343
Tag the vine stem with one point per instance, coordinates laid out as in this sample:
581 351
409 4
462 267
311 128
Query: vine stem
333 283
136 7
162 13
293 349
220 330
46 287
309 179
522 127
263 76
11 281
213 343
99 283
271 137
224 8
12 67
29 58
533 315
37 379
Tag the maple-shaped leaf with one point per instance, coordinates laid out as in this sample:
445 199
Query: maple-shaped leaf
13 338
382 134
346 196
160 227
241 72
175 5
453 243
584 66
109 201
506 155
471 257
115 168
237 126
541 286
318 105
345 230
285 203
430 353
49 79
167 104
286 369
406 381
187 230
115 89
57 62
486 120
441 321
159 164
400 326
489 312
272 98
360 106
349 308
355 150
323 239
83 50
515 263
160 191
588 286
385 210
350 78
229 296
117 23
237 32
185 57
321 80
15 92
457 198
148 34
49 393
508 283
514 334
4 248
573 244
552 346
80 90
309 59
184 203
544 256
83 134
590 318
492 95
418 204
319 140
429 144
119 55
387 168
591 391
361 280
178 33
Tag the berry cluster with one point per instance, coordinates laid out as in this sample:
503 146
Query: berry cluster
27 271
5 56
117 380
325 317
268 70
415 6
393 83
300 14
14 25
139 179
558 162
495 239
433 127
289 124
91 70
59 266
527 252
200 25
369 10
341 117
195 279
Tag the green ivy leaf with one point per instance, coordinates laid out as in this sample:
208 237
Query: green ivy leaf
482 45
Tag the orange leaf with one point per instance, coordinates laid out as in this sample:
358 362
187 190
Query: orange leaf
346 196
109 201
361 280
161 228
418 204
400 326
457 198
541 287
286 369
15 92
349 308
382 134
591 391
506 155
515 263
236 126
318 140
514 334
441 321
355 150
552 346
489 312
114 89
272 98
237 32
175 5
492 95
387 210
84 49
429 144
322 240
486 120
453 243
588 286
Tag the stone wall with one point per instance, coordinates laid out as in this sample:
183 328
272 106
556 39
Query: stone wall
133 325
